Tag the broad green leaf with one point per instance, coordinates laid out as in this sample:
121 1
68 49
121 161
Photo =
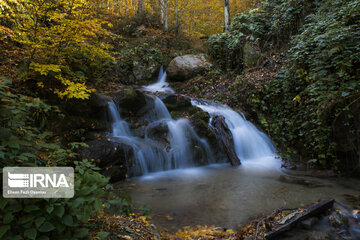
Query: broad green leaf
31 208
102 235
46 227
82 232
3 202
59 211
8 217
68 220
30 233
49 208
3 230
39 221
26 218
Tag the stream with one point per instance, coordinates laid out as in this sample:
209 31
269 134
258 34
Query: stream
179 193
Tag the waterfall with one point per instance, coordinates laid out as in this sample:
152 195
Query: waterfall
119 127
173 143
182 136
161 85
249 142
149 154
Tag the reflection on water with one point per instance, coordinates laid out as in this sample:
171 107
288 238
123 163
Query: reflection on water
225 196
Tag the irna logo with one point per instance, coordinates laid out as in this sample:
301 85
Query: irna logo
19 180
38 182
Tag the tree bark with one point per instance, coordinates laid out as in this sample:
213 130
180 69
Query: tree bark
166 16
176 17
134 6
141 6
226 15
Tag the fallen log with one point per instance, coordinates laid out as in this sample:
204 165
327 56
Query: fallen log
224 136
286 224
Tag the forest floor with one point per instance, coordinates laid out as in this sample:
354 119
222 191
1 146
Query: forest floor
234 90
138 227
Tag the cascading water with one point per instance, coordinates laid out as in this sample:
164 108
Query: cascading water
249 142
147 156
172 144
161 85
119 127
182 136
150 155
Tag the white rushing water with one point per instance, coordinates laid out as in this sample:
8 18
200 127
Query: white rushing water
144 151
161 85
183 138
251 145
149 154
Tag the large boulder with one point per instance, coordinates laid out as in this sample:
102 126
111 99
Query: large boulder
112 157
251 55
185 67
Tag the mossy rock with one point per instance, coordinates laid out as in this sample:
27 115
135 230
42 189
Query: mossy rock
130 101
176 101
200 122
251 54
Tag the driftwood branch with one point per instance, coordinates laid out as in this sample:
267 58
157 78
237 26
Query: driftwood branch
313 210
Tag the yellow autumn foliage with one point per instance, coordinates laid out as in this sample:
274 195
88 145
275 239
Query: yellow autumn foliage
59 39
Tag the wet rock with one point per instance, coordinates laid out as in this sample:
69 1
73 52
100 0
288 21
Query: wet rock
130 101
176 101
309 223
185 67
251 54
224 137
112 157
200 121
317 235
300 181
160 134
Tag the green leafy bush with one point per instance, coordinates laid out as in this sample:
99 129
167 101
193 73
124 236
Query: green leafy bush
55 218
311 107
270 26
318 86
142 58
24 142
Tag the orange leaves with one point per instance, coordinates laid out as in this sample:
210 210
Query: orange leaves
202 233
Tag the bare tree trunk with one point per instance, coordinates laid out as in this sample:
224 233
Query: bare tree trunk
134 6
226 15
164 14
141 6
176 17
